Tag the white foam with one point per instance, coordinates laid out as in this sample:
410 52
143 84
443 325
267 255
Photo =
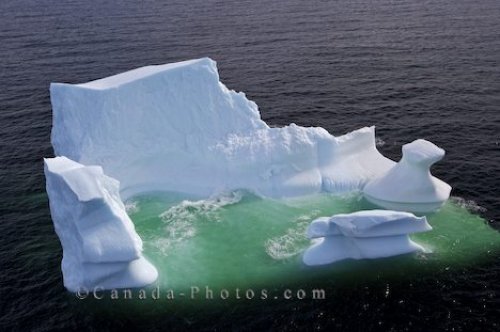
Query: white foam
292 242
181 219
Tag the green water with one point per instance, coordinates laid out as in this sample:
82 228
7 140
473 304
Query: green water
240 240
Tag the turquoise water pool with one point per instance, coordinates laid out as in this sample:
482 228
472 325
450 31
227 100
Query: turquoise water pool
241 240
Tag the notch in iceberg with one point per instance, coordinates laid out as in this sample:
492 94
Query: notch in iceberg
363 234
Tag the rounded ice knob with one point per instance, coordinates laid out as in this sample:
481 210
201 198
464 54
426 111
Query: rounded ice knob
409 185
422 152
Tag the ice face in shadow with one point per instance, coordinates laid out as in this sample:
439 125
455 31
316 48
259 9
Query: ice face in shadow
364 234
100 245
175 127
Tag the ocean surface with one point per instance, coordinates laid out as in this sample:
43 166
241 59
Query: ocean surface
414 69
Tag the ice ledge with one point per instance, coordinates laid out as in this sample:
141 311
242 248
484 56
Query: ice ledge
364 234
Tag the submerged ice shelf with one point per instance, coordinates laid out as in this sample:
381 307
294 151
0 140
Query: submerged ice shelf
242 240
175 127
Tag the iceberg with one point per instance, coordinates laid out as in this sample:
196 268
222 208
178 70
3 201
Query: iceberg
177 128
409 185
100 245
363 234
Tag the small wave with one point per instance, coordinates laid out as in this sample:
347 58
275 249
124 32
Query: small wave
131 207
174 233
190 210
181 219
283 247
379 142
470 205
294 241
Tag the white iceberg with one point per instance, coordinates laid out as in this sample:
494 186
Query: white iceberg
363 234
409 185
175 127
100 245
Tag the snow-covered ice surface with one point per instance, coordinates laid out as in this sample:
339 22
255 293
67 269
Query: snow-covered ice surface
100 245
363 234
176 128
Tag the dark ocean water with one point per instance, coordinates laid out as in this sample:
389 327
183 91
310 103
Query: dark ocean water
427 69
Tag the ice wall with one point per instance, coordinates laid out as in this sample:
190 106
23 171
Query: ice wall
176 127
100 245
